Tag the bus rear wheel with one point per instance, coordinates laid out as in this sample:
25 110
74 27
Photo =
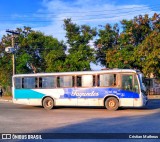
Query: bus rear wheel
48 103
112 103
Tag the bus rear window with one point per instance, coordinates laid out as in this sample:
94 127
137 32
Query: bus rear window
18 83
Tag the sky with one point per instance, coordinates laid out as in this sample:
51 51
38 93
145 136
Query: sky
47 15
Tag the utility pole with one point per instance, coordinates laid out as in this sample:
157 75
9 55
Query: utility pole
13 54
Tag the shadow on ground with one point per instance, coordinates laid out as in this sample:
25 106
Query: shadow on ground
100 129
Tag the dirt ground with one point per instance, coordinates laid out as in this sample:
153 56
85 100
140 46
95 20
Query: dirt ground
6 98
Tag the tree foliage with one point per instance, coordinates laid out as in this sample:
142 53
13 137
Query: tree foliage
147 55
35 52
5 63
108 39
80 54
137 46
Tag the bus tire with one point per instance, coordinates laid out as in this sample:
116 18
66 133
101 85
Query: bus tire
48 103
111 103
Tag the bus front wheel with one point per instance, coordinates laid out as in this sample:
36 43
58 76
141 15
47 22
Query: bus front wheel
48 103
111 103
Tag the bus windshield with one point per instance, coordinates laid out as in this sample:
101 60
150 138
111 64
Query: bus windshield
142 85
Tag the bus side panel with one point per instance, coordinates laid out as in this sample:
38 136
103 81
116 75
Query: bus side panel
127 98
58 96
124 102
33 102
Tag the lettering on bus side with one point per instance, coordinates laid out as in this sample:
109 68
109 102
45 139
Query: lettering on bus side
80 94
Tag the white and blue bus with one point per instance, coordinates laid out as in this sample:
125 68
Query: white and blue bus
112 88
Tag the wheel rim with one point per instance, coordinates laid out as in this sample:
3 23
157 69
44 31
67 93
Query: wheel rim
111 103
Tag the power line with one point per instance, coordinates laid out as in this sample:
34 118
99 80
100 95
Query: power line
92 11
74 20
82 12
36 20
101 17
79 18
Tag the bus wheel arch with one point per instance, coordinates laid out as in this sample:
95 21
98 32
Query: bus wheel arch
48 102
111 103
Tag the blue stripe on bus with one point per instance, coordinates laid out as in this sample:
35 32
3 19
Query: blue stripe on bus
27 94
77 93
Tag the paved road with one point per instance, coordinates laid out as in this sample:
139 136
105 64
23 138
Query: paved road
27 119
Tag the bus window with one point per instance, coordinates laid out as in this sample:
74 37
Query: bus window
86 81
47 82
65 81
106 80
79 81
127 83
18 83
29 82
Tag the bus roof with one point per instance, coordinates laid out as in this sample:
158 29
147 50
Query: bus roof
79 72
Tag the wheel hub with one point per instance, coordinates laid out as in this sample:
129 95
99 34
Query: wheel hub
111 103
49 103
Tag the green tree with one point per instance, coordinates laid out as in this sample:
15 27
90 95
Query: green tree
80 54
54 55
108 39
121 58
5 62
134 33
39 53
5 70
148 55
35 52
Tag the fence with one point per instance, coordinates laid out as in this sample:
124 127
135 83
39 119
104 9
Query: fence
153 86
153 91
